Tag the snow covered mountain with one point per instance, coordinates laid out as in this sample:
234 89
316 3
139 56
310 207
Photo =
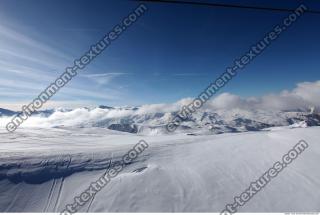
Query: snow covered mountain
57 154
137 120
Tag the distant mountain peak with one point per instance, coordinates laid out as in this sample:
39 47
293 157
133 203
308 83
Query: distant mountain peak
106 107
6 112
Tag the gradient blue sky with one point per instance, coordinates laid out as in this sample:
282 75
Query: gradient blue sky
172 52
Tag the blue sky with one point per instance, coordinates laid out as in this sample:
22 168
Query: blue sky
172 52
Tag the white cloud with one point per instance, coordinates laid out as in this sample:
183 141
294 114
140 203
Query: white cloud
305 95
187 74
103 78
28 65
19 39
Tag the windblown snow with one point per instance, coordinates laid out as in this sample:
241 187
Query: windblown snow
43 169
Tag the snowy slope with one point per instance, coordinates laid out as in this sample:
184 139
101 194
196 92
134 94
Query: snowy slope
43 169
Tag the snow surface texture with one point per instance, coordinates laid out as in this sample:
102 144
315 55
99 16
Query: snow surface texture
43 169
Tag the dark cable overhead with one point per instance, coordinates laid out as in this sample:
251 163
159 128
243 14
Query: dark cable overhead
226 5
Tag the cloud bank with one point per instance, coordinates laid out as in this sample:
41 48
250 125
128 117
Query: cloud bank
304 96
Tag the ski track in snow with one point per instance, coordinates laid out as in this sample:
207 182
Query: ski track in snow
42 170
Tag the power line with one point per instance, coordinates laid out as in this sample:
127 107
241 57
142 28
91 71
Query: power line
226 5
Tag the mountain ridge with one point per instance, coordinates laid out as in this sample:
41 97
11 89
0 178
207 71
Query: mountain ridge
139 120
